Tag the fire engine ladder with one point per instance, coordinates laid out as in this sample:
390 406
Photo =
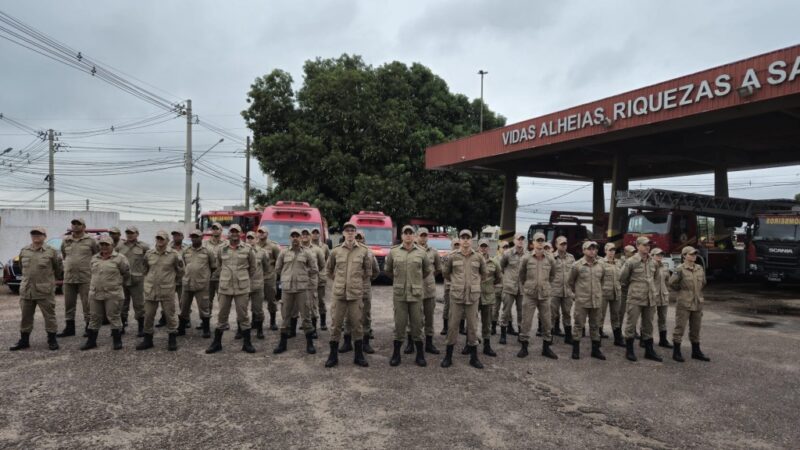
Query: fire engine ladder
704 205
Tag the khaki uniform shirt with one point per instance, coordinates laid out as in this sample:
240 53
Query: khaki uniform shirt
39 270
639 277
163 269
179 248
563 267
375 271
135 254
199 263
262 265
494 276
214 247
585 280
689 282
321 262
319 256
611 287
661 293
509 263
466 273
273 250
436 263
349 267
108 277
296 265
77 255
408 270
535 275
237 266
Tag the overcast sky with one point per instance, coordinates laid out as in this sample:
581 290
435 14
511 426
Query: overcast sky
541 57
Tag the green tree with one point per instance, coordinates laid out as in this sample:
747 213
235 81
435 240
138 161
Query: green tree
353 137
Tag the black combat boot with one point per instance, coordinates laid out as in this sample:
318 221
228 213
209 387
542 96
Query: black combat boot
502 340
310 343
429 347
91 341
69 329
314 329
473 357
676 352
162 321
358 356
662 339
181 327
216 344
523 352
146 343
367 348
547 352
618 341
172 342
462 327
322 322
697 354
409 346
642 343
281 345
140 327
444 328
116 337
511 330
293 327
494 327
259 327
596 353
333 356
567 335
238 332
649 352
487 348
124 319
52 343
395 360
23 343
86 330
557 326
247 343
347 345
448 357
205 324
272 325
576 349
420 359
629 353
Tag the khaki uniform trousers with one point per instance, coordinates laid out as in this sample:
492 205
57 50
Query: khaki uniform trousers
661 313
510 300
612 304
446 310
408 315
470 313
632 316
105 309
134 294
694 318
46 305
257 304
486 320
498 305
594 315
71 293
241 302
428 313
366 316
311 305
294 304
168 307
270 291
529 307
564 306
320 307
213 288
347 314
203 307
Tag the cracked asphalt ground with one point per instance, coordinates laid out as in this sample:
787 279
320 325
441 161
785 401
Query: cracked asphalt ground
747 397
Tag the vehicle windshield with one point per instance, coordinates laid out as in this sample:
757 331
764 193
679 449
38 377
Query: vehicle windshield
279 231
776 229
377 236
440 244
649 223
226 220
549 233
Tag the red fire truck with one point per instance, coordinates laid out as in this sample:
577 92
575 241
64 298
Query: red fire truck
281 217
248 220
379 232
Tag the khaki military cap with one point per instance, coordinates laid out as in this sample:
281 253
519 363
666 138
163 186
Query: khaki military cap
251 234
315 229
174 232
642 240
38 230
656 251
162 234
610 246
561 239
305 231
589 244
264 229
465 232
216 224
294 231
79 220
114 230
409 228
422 230
539 236
483 242
349 225
131 229
547 245
518 236
235 227
630 248
359 234
688 250
105 239
195 233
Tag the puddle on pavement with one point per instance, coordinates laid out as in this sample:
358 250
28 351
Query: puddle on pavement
754 323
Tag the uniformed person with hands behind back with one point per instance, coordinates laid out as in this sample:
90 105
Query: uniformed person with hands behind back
270 278
638 274
134 250
296 265
662 296
494 277
689 280
110 272
163 266
199 263
77 249
536 271
585 280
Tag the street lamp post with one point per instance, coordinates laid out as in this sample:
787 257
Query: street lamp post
482 73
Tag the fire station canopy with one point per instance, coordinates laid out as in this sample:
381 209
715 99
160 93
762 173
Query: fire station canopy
742 115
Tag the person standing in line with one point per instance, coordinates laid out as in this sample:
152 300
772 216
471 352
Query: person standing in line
429 296
270 278
322 285
110 271
494 277
537 270
612 294
199 264
366 311
562 297
689 280
662 296
134 250
162 266
214 244
638 274
296 266
77 250
455 245
512 291
257 287
585 280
